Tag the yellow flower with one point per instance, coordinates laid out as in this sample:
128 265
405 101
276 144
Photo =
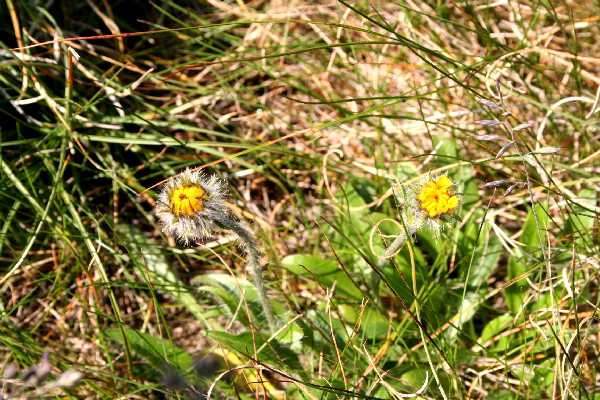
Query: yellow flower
427 204
436 197
187 200
189 205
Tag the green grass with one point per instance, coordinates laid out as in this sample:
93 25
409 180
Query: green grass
316 116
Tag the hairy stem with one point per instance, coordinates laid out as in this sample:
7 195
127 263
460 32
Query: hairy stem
399 241
253 260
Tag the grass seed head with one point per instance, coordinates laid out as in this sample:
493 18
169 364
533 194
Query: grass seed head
189 204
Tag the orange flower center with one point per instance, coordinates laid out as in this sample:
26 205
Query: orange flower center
187 200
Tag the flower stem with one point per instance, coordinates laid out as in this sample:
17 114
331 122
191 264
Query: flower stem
253 260
398 242
394 246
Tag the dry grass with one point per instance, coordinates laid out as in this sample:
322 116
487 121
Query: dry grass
312 112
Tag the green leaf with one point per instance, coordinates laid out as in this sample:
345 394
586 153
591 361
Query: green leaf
534 232
544 302
581 220
502 394
485 259
415 378
349 196
151 264
515 293
318 329
523 372
231 291
544 375
373 324
535 227
400 279
466 311
446 150
405 170
323 271
157 351
292 337
467 186
432 245
255 345
385 224
494 327
480 259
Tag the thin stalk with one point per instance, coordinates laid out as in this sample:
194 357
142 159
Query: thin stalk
413 270
397 243
253 260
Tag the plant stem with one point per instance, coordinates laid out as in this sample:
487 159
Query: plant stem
253 260
393 248
399 241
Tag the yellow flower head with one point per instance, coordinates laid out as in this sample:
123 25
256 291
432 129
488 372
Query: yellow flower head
189 204
428 204
436 197
187 200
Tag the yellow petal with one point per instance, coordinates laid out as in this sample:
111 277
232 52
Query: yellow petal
452 202
444 183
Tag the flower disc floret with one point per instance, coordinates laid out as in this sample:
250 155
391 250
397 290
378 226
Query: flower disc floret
436 197
187 200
